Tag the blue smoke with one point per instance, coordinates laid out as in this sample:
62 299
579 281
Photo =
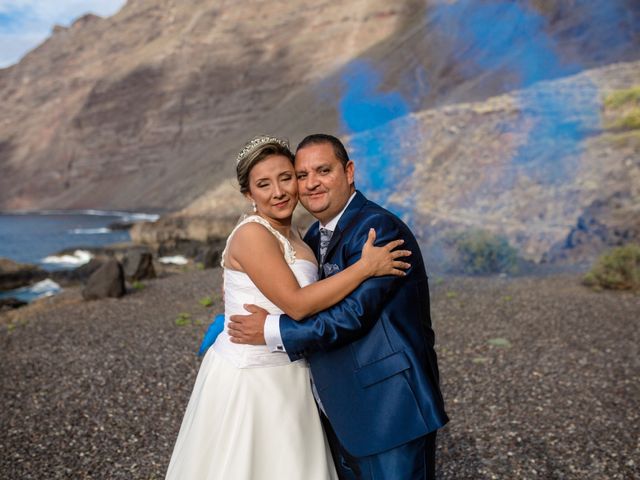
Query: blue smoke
380 160
498 36
487 39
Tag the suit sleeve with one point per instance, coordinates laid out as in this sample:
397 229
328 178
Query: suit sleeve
354 316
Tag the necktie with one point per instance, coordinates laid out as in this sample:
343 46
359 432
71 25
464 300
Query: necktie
325 238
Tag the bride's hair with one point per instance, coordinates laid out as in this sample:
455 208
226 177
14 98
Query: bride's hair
256 150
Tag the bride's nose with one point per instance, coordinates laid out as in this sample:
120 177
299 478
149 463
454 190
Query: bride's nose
278 192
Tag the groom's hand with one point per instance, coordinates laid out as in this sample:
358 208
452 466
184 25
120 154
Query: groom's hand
248 329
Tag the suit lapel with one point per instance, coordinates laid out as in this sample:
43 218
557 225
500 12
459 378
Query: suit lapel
345 221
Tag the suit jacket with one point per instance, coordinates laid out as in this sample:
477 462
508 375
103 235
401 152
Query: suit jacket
372 355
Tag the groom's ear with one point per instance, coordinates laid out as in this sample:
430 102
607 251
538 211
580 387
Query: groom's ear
349 169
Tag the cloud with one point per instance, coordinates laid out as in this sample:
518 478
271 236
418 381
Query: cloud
24 24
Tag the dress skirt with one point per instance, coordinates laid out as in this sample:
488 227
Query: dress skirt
251 424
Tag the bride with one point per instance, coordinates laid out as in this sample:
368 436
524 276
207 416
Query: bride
252 414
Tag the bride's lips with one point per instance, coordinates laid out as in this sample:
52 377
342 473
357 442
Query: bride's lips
282 204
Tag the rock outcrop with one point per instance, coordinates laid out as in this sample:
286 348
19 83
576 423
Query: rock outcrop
15 275
138 265
107 281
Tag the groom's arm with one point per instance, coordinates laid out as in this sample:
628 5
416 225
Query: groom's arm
352 318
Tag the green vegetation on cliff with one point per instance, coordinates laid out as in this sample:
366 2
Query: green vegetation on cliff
626 104
618 269
481 252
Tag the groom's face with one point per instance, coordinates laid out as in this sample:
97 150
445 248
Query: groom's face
324 184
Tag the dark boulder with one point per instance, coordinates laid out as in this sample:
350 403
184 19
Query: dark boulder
210 254
107 281
138 265
179 246
120 225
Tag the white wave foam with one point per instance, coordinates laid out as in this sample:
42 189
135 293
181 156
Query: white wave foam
139 217
46 287
90 231
79 257
176 260
126 216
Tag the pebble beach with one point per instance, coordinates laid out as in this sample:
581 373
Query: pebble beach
541 378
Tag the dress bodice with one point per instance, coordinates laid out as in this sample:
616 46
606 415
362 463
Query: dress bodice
239 290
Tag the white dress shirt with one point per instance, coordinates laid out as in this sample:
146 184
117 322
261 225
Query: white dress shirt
272 323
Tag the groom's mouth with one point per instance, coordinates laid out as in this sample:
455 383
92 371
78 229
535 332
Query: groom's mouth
315 195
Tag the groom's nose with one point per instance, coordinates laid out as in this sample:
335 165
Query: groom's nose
311 181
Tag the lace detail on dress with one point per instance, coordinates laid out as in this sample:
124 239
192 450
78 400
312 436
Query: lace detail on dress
289 252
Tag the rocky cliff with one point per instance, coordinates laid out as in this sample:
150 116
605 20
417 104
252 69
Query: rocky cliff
460 113
145 109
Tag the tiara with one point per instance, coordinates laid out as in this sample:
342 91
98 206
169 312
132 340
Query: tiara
256 142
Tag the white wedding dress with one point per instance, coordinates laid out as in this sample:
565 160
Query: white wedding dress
252 415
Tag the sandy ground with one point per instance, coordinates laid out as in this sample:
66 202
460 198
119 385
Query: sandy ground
541 377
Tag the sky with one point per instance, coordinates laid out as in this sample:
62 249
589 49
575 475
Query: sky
24 24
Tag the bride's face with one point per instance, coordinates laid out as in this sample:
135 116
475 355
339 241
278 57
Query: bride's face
273 187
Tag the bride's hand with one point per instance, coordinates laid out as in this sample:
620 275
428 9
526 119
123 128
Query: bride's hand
379 261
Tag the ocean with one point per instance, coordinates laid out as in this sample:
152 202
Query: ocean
36 238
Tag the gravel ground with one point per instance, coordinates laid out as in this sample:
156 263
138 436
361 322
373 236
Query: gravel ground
540 375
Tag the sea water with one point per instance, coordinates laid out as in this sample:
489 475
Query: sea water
37 237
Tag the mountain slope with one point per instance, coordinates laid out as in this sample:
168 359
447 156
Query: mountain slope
146 109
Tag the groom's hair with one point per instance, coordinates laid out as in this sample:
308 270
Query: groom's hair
319 138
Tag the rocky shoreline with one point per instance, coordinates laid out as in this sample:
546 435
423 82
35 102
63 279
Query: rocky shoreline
137 260
540 375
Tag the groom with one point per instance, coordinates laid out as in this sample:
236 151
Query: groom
374 369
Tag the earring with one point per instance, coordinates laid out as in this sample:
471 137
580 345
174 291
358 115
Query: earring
255 207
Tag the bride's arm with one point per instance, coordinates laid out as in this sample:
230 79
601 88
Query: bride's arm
259 254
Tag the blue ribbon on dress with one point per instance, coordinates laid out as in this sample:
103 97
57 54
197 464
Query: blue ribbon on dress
216 327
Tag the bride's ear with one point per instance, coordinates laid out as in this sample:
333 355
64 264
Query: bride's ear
253 203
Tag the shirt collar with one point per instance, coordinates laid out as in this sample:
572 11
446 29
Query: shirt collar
333 223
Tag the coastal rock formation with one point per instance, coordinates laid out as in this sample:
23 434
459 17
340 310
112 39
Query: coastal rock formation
15 275
107 281
138 265
11 303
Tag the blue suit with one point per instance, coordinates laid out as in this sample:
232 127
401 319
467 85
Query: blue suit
371 355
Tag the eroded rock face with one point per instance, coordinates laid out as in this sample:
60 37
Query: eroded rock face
147 109
547 174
